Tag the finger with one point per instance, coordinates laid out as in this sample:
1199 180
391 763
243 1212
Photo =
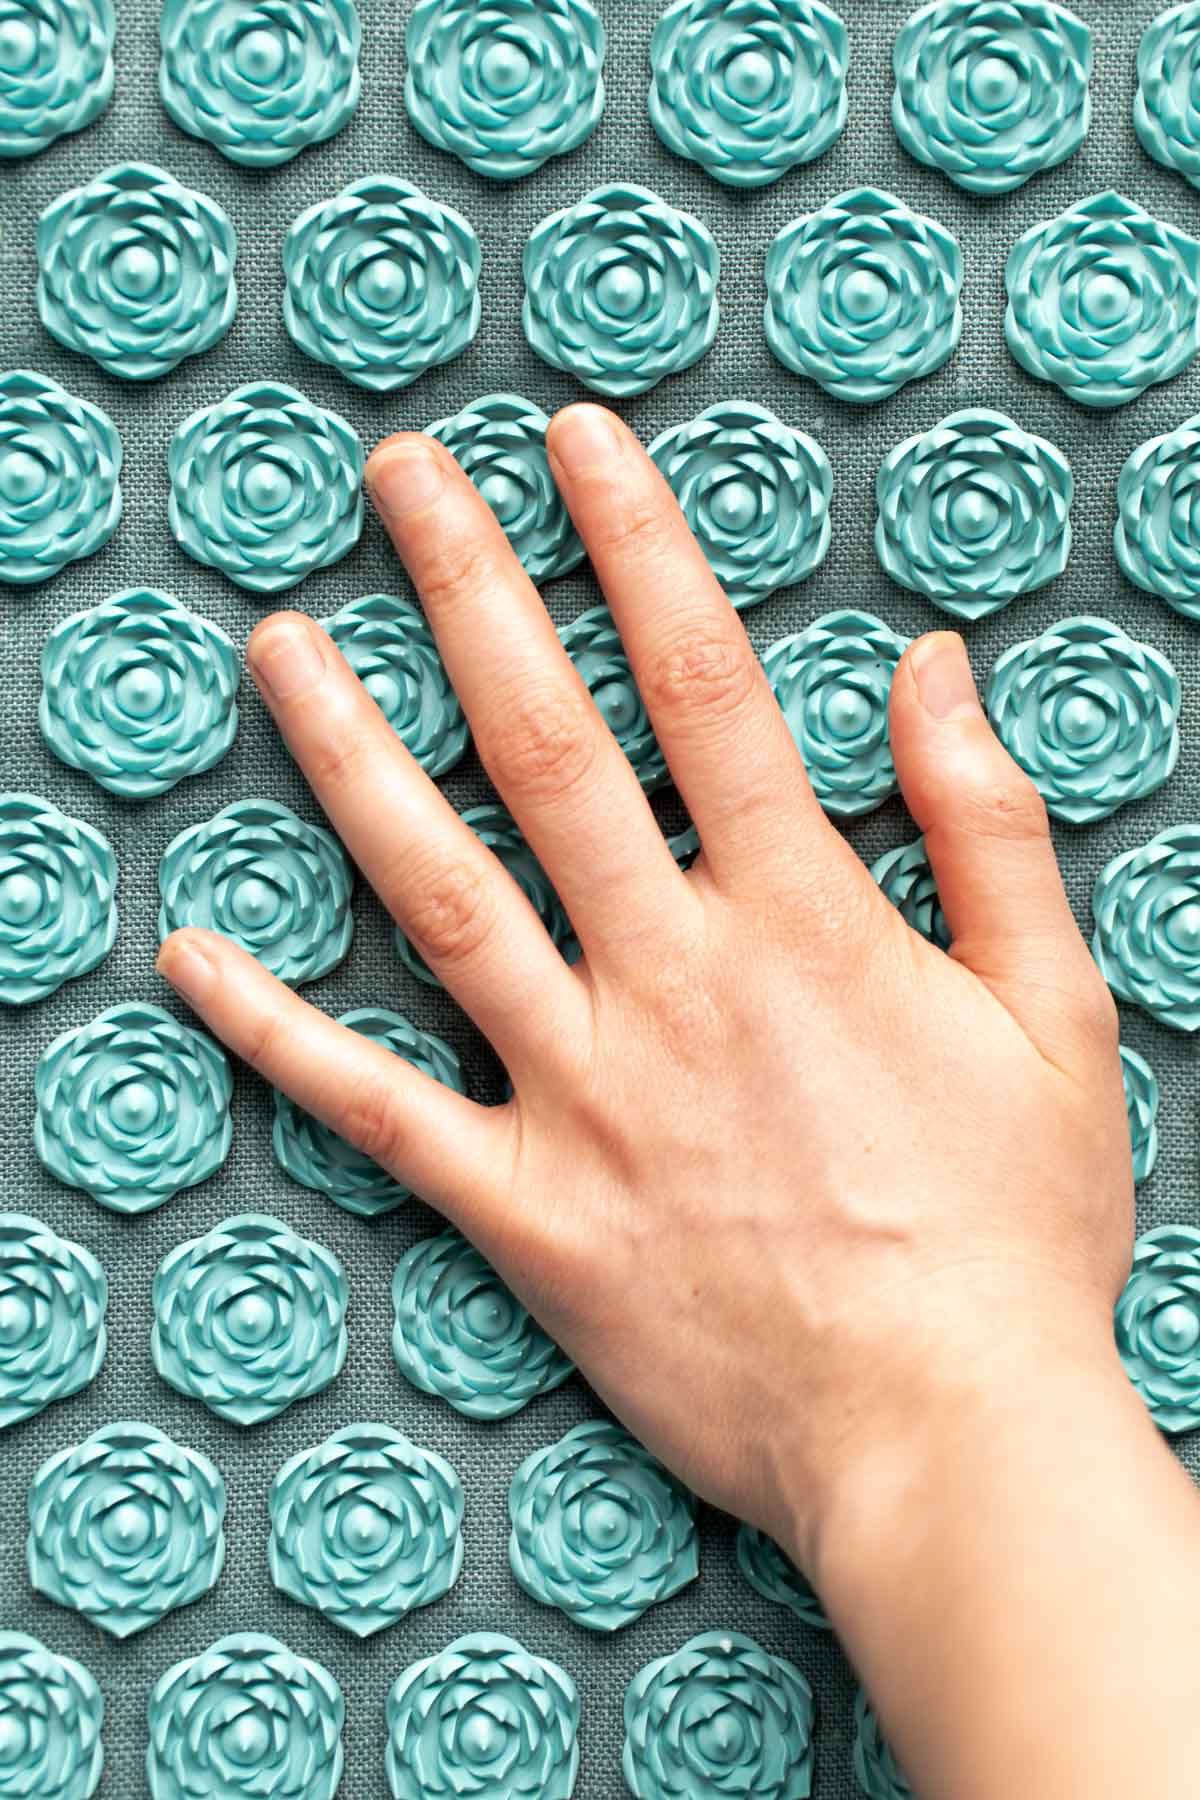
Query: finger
453 1153
989 846
723 734
539 735
454 900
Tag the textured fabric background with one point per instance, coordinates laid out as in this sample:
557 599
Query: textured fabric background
379 139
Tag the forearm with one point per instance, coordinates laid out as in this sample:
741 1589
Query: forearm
1018 1586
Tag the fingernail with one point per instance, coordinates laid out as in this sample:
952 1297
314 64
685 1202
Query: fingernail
405 479
943 676
584 438
189 971
286 659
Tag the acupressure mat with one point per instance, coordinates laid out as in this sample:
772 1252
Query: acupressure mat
377 140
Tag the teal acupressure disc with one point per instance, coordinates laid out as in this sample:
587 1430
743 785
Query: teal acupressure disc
135 270
246 1717
259 80
1147 940
60 467
748 92
132 1107
600 1529
56 70
621 290
249 1318
1104 301
53 1298
507 85
139 693
125 1527
461 1334
58 908
53 1713
992 94
1157 1324
720 1715
483 1717
265 486
366 1527
1090 714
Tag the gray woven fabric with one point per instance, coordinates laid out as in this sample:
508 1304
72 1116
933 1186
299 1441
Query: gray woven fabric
379 139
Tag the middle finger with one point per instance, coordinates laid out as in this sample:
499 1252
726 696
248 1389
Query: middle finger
539 734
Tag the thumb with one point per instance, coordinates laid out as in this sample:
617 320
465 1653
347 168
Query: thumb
988 841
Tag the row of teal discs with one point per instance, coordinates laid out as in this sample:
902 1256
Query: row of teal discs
746 88
484 1716
366 1526
381 282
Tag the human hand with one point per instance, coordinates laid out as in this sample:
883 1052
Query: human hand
785 1181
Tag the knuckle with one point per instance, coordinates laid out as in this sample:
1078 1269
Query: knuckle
446 912
261 1042
634 527
340 761
457 571
705 676
371 1120
1008 807
541 742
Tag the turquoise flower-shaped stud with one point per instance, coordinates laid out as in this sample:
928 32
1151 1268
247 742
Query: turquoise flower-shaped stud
1141 1105
863 295
755 493
500 441
258 874
56 70
878 1774
136 271
720 1716
259 81
498 830
366 1527
391 649
1157 535
318 1158
508 85
593 644
266 487
132 1107
621 290
599 1528
1091 715
748 91
776 1577
907 881
1147 941
483 1718
53 1295
139 692
974 512
1158 1325
58 910
245 1718
249 1318
1166 111
992 93
382 282
462 1335
125 1527
53 1713
60 459
1103 301
832 682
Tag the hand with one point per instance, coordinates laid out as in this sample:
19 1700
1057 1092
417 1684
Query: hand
775 1171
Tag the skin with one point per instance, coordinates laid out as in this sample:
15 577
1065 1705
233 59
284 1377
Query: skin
834 1222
